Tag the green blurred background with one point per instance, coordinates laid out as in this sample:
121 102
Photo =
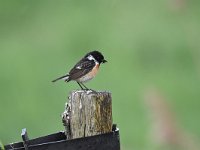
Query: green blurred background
145 42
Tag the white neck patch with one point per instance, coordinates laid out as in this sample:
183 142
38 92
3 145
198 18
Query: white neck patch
90 57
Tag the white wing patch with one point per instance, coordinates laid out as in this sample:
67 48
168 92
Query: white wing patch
78 67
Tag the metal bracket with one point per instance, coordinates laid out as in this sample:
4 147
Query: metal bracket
25 138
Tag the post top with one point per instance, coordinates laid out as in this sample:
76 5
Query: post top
87 92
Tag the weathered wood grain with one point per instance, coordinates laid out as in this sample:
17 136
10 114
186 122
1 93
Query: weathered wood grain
89 113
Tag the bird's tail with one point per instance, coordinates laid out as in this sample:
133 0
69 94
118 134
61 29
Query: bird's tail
65 77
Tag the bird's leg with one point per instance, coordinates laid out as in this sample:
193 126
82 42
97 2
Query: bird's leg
80 86
84 86
87 88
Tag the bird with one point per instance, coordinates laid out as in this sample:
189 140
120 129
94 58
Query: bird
85 69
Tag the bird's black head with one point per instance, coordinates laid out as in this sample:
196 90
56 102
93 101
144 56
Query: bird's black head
97 56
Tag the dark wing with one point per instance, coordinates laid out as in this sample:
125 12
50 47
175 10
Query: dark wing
81 68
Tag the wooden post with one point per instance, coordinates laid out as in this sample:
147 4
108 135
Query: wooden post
87 113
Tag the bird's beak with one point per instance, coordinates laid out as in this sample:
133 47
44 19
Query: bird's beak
104 61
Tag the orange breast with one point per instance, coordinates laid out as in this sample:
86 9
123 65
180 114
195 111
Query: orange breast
89 75
94 71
